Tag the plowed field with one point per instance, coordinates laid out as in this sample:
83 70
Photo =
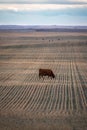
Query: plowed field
27 102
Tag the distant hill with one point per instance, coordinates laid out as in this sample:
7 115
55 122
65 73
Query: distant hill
43 28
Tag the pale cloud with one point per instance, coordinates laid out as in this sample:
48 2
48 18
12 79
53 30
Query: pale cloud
53 12
44 1
78 1
33 7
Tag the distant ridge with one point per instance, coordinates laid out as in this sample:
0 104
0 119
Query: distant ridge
43 28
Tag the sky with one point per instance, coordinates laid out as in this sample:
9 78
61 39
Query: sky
43 12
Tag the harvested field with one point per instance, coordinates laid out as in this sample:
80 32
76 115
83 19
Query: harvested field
30 103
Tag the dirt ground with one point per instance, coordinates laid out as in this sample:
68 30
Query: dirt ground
30 103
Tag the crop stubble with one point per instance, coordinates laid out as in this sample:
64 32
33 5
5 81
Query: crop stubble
23 93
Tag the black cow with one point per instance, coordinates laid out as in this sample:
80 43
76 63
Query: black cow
46 72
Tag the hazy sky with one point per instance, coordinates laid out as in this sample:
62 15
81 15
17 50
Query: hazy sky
43 12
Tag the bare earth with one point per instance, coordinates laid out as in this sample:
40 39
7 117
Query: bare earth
30 103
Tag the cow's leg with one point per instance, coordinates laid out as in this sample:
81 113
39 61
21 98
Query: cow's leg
43 77
39 76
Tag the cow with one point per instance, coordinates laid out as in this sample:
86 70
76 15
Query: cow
46 72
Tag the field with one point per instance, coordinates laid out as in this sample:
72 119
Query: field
30 103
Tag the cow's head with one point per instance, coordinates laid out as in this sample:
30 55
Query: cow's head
53 76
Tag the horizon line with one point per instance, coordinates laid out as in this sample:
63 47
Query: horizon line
37 25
